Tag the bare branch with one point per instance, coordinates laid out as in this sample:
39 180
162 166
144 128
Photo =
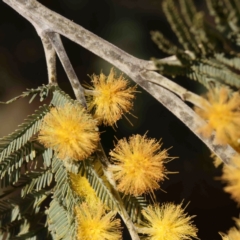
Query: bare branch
182 92
50 55
135 68
76 86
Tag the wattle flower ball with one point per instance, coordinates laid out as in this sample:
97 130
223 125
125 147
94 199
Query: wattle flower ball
222 115
110 97
95 223
70 131
167 222
138 165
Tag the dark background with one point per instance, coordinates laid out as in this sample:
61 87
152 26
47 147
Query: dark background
126 24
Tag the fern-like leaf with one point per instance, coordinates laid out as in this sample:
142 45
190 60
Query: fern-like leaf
39 232
16 209
38 181
11 165
42 91
60 98
26 229
59 223
179 27
232 61
217 10
100 186
23 134
214 70
188 10
134 206
63 191
206 81
164 44
47 157
61 215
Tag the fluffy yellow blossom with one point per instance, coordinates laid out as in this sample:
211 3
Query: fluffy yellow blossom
95 223
138 165
83 189
110 97
231 175
233 233
167 222
70 131
222 115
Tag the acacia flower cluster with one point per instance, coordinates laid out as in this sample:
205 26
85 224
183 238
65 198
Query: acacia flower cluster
70 131
138 165
167 222
95 223
231 175
110 97
222 115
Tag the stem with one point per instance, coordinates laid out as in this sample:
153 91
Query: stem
182 92
50 55
123 213
76 86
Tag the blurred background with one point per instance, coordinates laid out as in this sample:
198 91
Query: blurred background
126 24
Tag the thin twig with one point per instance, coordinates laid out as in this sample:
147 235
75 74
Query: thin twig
182 92
133 67
50 55
60 50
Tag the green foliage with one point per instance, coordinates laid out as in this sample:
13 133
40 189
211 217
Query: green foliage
38 181
42 91
10 167
209 53
61 216
23 134
20 156
60 225
19 217
60 98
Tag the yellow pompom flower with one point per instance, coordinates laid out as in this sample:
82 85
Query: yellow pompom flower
138 165
70 131
233 233
95 223
222 115
110 97
167 222
231 175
